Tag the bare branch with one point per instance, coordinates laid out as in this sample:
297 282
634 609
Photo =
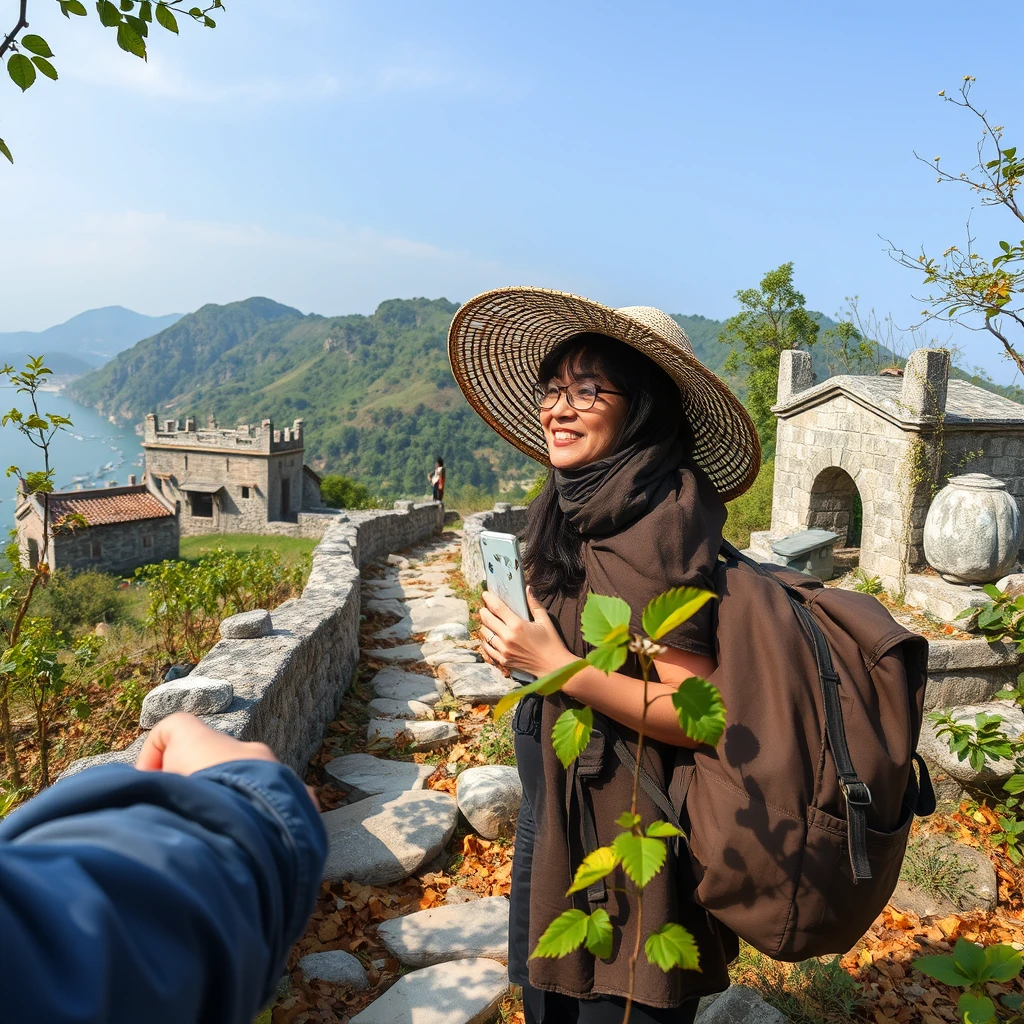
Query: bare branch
20 27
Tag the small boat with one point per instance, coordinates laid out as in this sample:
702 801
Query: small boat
80 479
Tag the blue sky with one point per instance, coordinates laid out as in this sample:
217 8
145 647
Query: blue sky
330 155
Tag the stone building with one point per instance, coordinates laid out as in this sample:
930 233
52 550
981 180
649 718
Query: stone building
890 442
125 527
230 481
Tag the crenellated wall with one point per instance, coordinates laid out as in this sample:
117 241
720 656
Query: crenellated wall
289 685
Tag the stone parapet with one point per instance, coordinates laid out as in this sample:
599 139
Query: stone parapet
503 518
288 685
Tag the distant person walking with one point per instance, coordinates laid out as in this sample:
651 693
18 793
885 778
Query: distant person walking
437 479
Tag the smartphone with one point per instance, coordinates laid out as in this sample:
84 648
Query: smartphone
503 571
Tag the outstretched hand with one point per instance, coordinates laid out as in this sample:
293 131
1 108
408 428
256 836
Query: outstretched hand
510 642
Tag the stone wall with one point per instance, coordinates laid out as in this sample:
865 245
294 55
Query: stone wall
118 547
289 685
503 518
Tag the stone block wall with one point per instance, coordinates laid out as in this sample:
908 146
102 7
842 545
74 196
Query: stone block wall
118 547
503 518
289 685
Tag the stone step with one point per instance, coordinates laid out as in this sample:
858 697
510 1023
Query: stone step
409 734
449 654
475 684
384 590
406 652
335 966
386 839
460 992
384 606
395 684
458 932
364 776
387 707
423 614
489 796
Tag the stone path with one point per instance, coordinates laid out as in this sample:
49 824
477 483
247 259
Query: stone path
392 826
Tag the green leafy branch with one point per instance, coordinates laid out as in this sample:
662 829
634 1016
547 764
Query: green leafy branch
639 851
973 968
30 55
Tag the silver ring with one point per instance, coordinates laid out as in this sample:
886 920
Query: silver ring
488 639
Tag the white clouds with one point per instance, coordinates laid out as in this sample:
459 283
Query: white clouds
155 263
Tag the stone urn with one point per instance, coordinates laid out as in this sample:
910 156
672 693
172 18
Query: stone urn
972 531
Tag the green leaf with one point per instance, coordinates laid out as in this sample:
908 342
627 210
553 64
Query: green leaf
130 41
605 620
970 959
597 865
1014 784
599 934
127 5
76 7
1004 962
700 710
673 608
109 14
993 591
627 820
942 968
609 658
6 152
146 10
36 44
209 22
571 734
642 857
975 1009
140 27
166 18
672 946
663 830
567 932
45 67
21 70
551 683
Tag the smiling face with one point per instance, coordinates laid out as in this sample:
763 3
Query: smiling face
577 437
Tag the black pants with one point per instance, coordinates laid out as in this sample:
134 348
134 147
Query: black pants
549 1007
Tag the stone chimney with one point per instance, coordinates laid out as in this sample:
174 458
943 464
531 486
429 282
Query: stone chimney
925 379
190 424
131 479
795 374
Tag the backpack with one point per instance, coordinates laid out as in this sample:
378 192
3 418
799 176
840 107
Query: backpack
797 823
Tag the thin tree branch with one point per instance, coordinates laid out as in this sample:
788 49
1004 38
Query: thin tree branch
21 26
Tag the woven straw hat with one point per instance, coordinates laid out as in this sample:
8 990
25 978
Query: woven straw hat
498 339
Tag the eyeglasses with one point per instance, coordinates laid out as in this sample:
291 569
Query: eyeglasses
580 395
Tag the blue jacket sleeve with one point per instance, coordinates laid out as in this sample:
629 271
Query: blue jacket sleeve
130 896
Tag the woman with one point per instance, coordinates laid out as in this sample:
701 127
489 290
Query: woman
436 479
645 444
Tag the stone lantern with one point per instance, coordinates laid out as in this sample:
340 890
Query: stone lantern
973 530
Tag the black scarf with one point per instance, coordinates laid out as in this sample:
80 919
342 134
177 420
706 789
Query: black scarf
606 495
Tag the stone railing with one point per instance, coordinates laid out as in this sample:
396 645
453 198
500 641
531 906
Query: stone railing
503 518
288 684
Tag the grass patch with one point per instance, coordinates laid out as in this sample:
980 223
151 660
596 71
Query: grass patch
291 549
931 869
497 744
473 596
753 510
811 992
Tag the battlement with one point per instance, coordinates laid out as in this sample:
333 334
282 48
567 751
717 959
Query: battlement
245 438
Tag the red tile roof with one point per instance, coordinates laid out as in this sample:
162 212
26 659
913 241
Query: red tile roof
100 507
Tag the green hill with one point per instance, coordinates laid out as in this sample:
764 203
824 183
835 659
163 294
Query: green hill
376 392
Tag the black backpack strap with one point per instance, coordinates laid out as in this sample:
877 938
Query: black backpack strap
855 792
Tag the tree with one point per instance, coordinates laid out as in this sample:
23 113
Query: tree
28 55
772 319
977 292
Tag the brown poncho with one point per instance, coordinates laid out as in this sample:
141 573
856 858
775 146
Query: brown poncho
651 522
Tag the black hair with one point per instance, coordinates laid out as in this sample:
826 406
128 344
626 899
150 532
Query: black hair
553 557
439 461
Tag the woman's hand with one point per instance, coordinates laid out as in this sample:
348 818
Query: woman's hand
510 642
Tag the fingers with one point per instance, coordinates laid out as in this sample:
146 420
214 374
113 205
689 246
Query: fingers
540 613
498 607
151 756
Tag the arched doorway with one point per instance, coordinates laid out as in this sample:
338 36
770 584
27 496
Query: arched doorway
836 505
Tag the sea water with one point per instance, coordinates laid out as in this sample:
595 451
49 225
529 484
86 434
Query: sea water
91 453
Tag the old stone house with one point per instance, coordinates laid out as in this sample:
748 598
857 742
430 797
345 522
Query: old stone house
109 529
240 480
880 446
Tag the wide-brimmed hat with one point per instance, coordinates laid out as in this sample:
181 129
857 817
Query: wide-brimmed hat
498 339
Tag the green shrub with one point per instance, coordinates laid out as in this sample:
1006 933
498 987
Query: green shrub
76 601
341 492
753 510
